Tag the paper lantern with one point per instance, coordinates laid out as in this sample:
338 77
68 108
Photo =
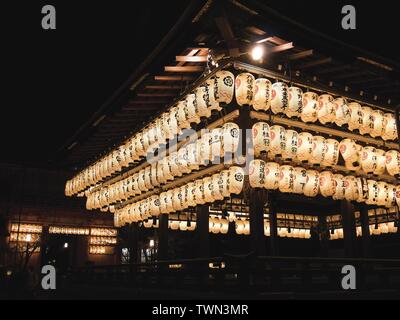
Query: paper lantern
262 94
174 225
182 115
372 192
205 149
286 179
177 199
192 226
310 107
191 109
277 141
393 163
391 199
368 120
349 151
304 146
236 180
224 226
182 160
257 174
342 112
213 103
224 86
311 187
300 179
295 103
340 187
378 124
203 101
199 191
351 192
327 184
279 98
290 151
319 150
368 159
183 226
356 116
239 227
383 193
331 156
272 171
170 201
244 89
230 137
261 137
390 128
191 155
147 178
216 143
326 109
223 183
215 191
362 189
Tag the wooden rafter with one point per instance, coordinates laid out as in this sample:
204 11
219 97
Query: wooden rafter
315 63
174 78
161 87
301 55
282 47
188 69
191 58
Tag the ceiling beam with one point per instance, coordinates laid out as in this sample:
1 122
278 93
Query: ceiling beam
156 95
191 58
301 55
315 63
227 34
282 47
189 69
160 87
174 78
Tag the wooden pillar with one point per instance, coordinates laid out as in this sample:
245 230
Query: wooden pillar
257 200
202 232
273 224
365 239
4 222
324 236
349 228
134 243
44 239
162 253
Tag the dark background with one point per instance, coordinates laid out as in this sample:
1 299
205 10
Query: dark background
54 80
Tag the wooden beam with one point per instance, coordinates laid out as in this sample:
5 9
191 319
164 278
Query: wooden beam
136 102
315 63
282 47
163 87
156 95
274 40
226 32
256 31
189 69
301 55
174 78
191 58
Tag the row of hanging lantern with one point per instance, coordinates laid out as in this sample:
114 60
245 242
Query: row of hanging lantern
303 147
201 191
289 179
264 95
196 105
374 229
214 144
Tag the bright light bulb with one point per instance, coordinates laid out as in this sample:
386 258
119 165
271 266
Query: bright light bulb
28 238
66 245
257 52
151 243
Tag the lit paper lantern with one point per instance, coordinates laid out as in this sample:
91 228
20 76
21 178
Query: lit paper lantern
349 151
272 170
182 115
169 201
230 137
390 128
372 192
191 197
203 101
217 193
155 206
391 199
223 183
326 110
362 189
224 226
224 82
216 143
200 192
331 157
368 159
393 163
351 192
257 174
340 187
310 107
295 104
214 104
261 137
368 121
342 112
191 154
290 151
191 109
277 141
327 184
244 89
286 179
319 150
236 180
356 116
383 193
177 199
262 94
279 101
304 146
378 124
182 159
311 187
300 179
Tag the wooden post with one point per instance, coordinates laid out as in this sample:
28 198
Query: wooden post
273 224
349 228
162 253
324 236
44 238
365 239
257 200
203 235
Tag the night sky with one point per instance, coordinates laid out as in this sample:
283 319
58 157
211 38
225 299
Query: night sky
54 81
